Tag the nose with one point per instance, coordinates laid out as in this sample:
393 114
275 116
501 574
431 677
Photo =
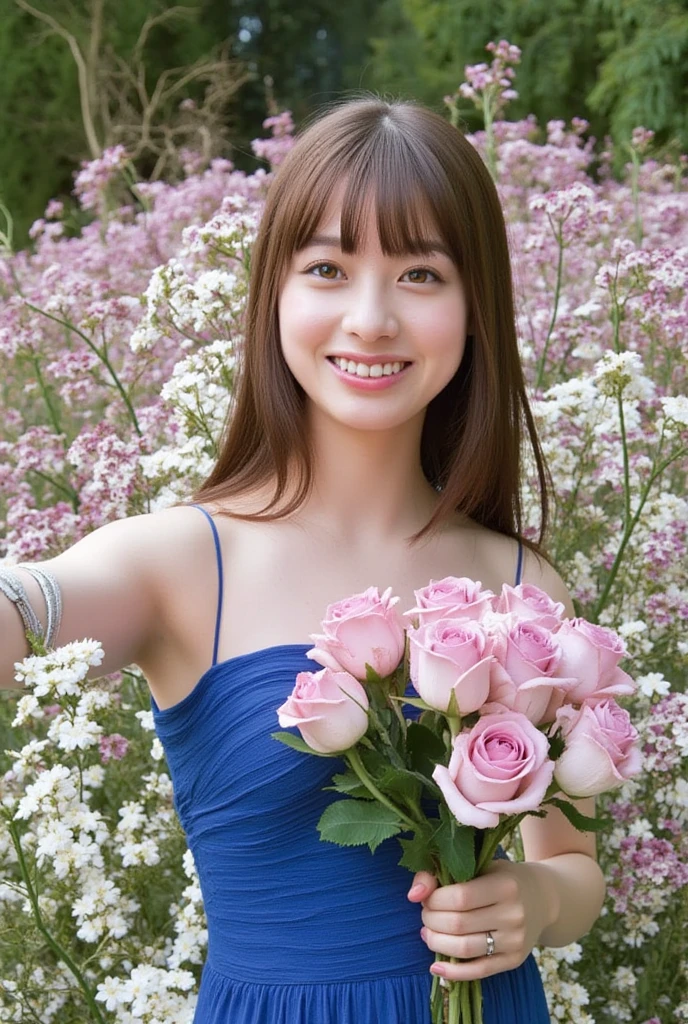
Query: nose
369 317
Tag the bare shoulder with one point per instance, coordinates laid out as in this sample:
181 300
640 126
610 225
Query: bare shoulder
499 554
540 573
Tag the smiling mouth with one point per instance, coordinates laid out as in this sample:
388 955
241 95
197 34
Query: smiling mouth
400 365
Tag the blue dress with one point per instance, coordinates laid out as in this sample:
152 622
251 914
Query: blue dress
300 931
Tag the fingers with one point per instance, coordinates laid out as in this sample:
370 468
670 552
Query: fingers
423 884
463 947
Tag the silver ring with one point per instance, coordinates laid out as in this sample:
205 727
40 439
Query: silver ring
490 943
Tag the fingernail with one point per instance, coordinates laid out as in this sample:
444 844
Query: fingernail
438 969
417 890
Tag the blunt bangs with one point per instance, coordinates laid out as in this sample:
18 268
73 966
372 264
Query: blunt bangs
389 172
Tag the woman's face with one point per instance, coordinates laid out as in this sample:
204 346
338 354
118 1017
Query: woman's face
372 309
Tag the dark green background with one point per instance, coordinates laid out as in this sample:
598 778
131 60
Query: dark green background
617 63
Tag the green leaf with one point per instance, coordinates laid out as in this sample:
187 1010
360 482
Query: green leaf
358 823
557 744
350 784
425 748
395 782
417 854
456 847
580 821
415 702
371 674
298 743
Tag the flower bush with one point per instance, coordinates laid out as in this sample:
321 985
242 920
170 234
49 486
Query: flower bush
117 354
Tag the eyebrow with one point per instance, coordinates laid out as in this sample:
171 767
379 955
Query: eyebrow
429 245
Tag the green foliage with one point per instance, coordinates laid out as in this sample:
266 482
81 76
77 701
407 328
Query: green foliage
618 63
643 79
357 823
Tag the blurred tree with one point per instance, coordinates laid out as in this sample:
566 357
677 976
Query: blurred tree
420 49
644 77
80 76
303 56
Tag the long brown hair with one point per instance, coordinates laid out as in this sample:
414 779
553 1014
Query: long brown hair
413 162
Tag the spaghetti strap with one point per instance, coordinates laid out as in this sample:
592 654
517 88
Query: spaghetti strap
218 552
519 564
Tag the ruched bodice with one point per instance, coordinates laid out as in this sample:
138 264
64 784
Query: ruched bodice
300 931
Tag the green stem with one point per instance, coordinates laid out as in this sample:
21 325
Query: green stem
57 949
52 412
354 760
65 488
602 600
103 358
477 1000
557 293
626 467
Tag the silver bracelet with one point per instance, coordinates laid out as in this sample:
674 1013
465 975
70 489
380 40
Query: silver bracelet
52 595
13 588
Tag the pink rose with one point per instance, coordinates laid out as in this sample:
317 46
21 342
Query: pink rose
591 654
450 655
529 602
324 706
451 598
359 629
500 766
522 674
600 752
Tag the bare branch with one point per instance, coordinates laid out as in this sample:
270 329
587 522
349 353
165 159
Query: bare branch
82 71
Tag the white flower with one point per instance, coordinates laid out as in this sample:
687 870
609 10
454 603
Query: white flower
146 720
110 992
27 708
78 734
619 373
652 683
675 410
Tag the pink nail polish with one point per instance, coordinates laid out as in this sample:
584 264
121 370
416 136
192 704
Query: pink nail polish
438 969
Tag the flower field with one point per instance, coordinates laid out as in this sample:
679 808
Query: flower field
117 352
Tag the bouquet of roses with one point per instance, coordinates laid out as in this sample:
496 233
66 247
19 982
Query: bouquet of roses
517 704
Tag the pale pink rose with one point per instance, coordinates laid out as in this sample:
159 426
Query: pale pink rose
324 706
600 750
500 766
453 597
364 628
522 676
527 601
450 655
591 654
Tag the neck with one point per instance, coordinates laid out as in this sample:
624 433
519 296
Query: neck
369 488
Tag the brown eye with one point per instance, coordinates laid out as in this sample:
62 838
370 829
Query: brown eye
425 271
329 273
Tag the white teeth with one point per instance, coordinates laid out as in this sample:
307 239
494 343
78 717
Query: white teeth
363 370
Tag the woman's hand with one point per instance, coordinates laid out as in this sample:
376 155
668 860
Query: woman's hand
507 900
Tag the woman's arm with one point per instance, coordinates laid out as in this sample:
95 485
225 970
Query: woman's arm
562 861
108 582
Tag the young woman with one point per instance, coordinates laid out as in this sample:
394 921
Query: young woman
375 439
